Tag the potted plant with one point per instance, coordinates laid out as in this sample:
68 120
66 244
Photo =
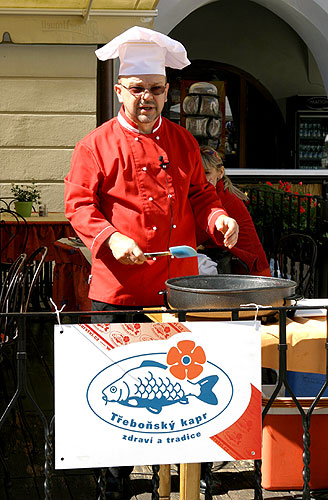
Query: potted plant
25 195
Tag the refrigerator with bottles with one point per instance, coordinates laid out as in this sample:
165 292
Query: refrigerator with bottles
307 122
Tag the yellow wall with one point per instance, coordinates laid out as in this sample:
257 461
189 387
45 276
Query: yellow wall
47 103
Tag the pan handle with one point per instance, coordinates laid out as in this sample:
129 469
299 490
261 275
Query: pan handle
164 293
295 296
156 254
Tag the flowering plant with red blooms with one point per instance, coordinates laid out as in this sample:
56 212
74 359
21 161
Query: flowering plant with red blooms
279 205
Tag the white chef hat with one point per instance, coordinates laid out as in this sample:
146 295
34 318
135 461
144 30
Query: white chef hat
144 52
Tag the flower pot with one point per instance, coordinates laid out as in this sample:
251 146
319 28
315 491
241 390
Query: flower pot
23 208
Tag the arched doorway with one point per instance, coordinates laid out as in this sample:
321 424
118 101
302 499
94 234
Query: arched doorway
251 44
255 132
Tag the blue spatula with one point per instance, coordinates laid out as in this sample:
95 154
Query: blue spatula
180 252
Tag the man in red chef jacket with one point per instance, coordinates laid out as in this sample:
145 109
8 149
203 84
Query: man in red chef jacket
137 183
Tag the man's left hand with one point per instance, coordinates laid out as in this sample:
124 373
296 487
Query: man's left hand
229 228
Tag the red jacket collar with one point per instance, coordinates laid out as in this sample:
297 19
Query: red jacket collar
130 125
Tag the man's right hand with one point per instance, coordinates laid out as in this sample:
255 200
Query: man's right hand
125 250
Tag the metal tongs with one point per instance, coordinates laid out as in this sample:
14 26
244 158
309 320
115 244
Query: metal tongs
180 252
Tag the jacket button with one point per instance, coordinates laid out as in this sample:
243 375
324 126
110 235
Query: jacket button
144 168
157 137
174 226
154 228
150 198
136 138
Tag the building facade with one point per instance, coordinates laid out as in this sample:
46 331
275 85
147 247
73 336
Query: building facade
49 74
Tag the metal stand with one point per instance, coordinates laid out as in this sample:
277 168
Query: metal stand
282 380
155 482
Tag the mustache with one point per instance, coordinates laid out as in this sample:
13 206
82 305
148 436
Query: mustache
147 103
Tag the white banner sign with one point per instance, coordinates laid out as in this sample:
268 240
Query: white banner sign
152 393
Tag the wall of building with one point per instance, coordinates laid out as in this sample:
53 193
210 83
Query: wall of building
308 18
252 38
47 103
48 92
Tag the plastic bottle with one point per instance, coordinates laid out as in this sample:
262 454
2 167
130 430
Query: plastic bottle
324 157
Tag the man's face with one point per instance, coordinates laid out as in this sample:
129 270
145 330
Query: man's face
142 108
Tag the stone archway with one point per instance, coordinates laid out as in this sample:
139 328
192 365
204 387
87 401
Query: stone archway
309 20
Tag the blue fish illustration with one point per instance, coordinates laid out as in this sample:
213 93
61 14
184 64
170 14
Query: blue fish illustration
150 386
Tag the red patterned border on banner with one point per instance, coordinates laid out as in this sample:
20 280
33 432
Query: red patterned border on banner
242 440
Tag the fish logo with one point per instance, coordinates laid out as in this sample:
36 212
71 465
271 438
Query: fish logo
151 386
179 387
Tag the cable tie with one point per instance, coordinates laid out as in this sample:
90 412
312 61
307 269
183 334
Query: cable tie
58 315
258 306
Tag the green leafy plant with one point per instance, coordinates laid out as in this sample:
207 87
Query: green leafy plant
26 192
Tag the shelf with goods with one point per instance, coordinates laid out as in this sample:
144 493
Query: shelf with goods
311 138
307 126
200 108
310 152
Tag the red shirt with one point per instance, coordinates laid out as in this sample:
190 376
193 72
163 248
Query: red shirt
116 183
248 247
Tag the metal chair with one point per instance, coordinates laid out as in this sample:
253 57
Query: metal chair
16 293
11 295
295 258
33 266
16 297
4 203
10 301
11 233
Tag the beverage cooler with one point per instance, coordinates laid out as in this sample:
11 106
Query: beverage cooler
307 122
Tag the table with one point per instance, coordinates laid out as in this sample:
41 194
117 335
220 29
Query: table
42 231
306 338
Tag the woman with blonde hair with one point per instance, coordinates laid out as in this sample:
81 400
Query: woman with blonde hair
249 254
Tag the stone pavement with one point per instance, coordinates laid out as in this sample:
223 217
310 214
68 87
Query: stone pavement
233 481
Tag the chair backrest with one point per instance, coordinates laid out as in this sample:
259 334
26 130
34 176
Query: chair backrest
17 290
33 267
14 229
12 298
5 203
295 258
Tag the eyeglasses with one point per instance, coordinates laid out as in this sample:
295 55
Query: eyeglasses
137 91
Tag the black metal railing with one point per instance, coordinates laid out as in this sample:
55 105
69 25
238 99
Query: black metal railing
276 214
77 317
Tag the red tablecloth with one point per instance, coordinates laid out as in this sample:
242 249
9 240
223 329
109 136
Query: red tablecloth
70 278
43 231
